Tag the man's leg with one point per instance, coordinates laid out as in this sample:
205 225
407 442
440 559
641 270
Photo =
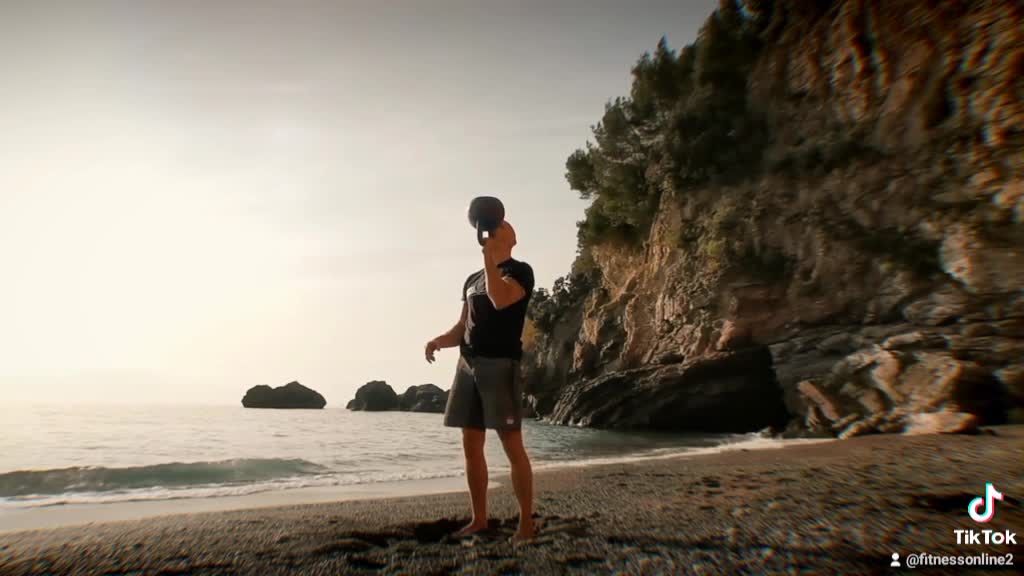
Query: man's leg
476 476
464 411
522 479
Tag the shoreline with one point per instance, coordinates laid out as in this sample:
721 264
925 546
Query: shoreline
16 519
837 507
85 513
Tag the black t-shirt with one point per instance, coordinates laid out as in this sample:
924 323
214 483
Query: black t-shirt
490 332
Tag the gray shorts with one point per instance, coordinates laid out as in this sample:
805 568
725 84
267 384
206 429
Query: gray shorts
486 393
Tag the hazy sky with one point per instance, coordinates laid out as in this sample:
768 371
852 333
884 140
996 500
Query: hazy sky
197 197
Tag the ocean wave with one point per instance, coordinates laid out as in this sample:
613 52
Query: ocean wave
738 442
205 491
93 479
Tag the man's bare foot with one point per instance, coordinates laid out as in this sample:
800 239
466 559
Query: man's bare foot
524 533
470 529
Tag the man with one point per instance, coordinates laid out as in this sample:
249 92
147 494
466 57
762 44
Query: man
486 392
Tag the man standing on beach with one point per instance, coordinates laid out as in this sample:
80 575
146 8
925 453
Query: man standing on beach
487 391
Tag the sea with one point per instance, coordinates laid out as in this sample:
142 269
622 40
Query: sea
67 455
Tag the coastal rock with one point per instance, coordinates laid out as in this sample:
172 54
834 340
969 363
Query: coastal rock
723 392
423 398
876 256
374 396
1012 377
982 266
941 423
291 395
940 307
886 390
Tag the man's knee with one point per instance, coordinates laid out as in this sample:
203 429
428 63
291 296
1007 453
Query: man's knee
473 442
512 441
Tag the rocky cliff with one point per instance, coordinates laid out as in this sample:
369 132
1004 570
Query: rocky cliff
861 219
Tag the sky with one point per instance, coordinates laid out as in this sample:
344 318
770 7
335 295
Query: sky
197 197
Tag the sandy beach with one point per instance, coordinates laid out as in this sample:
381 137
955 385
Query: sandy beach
830 508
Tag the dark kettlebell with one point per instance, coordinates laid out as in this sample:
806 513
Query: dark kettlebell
486 213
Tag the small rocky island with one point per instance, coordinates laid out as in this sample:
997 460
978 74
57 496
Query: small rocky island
378 396
423 398
291 395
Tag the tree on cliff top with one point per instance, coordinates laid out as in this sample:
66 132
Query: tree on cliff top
686 123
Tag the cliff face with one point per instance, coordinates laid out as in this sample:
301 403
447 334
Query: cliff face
877 253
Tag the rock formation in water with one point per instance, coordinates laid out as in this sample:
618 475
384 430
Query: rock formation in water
840 183
374 396
378 396
291 395
423 398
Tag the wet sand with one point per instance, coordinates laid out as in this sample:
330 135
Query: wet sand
832 508
18 519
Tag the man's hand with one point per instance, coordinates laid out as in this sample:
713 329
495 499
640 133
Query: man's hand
498 243
449 339
432 347
492 249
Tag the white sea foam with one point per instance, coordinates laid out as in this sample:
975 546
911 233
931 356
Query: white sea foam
753 441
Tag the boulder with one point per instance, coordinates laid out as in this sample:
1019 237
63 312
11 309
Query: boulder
980 265
893 388
374 396
721 392
423 398
942 306
291 395
945 422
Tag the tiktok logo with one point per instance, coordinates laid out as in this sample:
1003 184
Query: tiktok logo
991 495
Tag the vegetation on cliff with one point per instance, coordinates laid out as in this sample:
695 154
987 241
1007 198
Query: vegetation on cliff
686 123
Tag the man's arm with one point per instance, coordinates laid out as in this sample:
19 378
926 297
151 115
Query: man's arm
451 338
502 290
